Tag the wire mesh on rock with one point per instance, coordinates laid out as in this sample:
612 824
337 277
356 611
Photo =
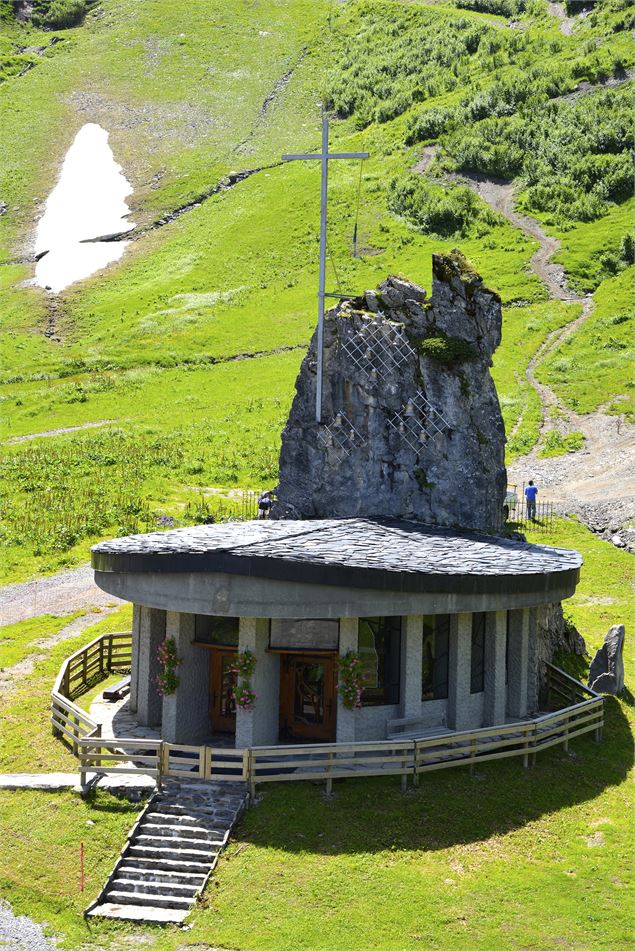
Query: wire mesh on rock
340 436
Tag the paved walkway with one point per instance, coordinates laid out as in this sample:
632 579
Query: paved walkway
54 594
19 933
56 782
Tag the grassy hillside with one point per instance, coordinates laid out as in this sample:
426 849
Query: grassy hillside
190 93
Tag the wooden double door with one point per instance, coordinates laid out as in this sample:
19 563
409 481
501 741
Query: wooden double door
308 703
222 680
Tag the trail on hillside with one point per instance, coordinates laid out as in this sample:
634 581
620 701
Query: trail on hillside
10 677
59 432
54 594
596 482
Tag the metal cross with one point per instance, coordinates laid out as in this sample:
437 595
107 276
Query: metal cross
324 157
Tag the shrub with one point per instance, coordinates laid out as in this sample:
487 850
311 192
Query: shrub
59 14
434 210
428 124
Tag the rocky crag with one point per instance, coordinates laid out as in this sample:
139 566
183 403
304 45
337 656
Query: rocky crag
411 424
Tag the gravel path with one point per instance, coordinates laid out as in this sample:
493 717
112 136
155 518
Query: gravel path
56 594
59 432
19 933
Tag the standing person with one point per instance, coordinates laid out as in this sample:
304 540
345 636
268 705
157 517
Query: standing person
264 505
530 495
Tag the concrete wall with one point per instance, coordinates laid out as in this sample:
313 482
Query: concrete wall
238 596
459 707
134 662
495 694
186 711
259 727
152 627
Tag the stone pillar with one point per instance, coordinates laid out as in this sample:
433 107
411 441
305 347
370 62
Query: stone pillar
349 641
410 673
532 663
260 726
495 700
186 711
459 716
518 657
151 635
134 661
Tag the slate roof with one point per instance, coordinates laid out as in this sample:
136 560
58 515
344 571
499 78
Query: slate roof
357 552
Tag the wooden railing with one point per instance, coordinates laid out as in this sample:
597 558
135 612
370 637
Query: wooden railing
106 654
316 761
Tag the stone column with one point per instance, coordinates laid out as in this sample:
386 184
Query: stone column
151 634
532 663
495 700
260 726
134 661
518 657
349 641
460 660
410 673
186 711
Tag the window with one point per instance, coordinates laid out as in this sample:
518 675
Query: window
379 640
216 630
507 639
477 679
301 634
434 661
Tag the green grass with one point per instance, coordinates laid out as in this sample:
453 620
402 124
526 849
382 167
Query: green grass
26 741
588 369
17 640
524 330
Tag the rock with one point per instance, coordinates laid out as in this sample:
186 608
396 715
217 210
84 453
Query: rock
618 541
411 424
606 673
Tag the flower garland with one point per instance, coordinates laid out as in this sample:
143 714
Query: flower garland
244 667
168 681
349 680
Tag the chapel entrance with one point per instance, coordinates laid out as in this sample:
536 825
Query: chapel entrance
308 706
222 680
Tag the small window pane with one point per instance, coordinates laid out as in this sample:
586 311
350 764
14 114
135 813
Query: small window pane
302 634
435 657
477 680
379 645
216 630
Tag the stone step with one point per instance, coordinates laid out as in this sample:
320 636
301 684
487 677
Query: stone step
143 874
166 830
163 916
153 888
201 821
174 842
155 901
200 812
173 855
167 865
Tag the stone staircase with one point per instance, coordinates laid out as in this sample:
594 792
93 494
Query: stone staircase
171 852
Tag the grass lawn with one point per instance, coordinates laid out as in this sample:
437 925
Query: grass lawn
509 859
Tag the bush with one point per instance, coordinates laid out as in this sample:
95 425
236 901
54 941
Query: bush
59 14
504 8
428 124
435 210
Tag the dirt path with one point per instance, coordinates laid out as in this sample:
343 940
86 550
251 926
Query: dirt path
60 431
11 676
596 482
56 594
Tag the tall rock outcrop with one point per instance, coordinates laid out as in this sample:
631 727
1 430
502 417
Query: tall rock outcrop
411 424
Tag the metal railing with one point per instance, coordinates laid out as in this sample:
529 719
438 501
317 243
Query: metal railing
316 761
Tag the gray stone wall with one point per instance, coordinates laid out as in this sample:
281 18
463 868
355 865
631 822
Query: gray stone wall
411 423
260 726
186 711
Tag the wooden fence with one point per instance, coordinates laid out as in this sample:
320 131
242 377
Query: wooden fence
315 761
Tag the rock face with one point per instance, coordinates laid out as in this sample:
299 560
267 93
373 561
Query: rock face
411 424
554 634
606 673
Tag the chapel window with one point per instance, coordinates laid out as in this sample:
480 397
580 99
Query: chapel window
477 678
435 657
379 640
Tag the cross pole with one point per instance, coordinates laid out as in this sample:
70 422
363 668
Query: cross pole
324 157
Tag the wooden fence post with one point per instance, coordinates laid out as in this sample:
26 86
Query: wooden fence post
160 766
472 756
415 774
110 652
329 778
251 775
101 655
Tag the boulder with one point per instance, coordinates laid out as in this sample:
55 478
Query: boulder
411 424
606 673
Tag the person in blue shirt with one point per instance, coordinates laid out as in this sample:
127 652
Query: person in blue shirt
530 495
